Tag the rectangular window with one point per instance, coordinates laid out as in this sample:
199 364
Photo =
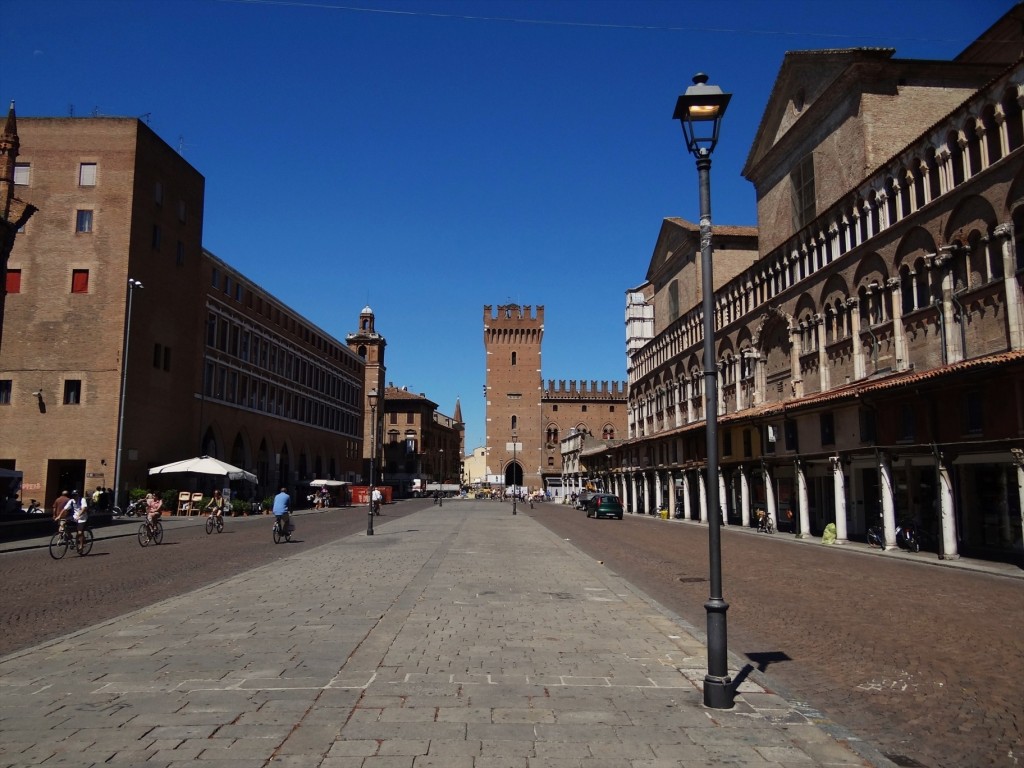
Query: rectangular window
215 279
13 281
72 392
22 174
828 429
87 175
973 413
393 417
83 221
802 178
908 423
156 237
80 281
5 391
748 444
867 425
181 210
789 427
769 439
727 443
584 409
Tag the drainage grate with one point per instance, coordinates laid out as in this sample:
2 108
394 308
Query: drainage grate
691 579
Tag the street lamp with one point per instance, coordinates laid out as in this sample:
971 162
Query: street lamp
371 397
515 489
132 285
700 111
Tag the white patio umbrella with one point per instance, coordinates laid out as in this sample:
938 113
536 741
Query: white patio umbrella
205 465
328 483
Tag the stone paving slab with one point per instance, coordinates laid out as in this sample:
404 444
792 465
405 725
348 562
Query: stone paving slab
460 636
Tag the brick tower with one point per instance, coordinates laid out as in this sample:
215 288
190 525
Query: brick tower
369 345
13 212
512 340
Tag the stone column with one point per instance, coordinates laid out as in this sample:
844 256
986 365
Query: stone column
801 499
658 498
1011 289
646 483
839 492
949 550
795 350
824 371
899 337
888 500
769 497
859 367
702 493
672 494
943 261
744 496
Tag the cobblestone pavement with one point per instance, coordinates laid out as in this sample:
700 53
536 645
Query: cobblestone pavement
43 598
923 659
460 637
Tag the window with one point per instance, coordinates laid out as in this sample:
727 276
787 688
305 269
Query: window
215 279
22 174
867 425
72 392
789 428
83 221
584 409
727 443
181 210
802 178
973 413
907 424
156 237
80 281
13 281
514 358
5 391
87 175
515 423
828 428
769 439
179 257
748 446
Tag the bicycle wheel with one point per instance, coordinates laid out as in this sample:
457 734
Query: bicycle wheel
220 525
144 535
209 525
58 546
277 533
770 527
158 533
115 511
87 539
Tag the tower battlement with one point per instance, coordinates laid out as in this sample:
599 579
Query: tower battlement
592 390
514 313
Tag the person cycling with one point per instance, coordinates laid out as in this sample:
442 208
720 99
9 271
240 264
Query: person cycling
78 509
154 506
376 498
216 507
282 509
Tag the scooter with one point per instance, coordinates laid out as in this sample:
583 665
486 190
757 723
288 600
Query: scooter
907 537
34 508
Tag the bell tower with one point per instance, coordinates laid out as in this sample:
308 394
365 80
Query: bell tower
369 345
512 341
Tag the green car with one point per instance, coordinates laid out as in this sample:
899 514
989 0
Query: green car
604 505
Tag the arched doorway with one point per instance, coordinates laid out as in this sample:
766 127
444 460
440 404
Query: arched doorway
513 474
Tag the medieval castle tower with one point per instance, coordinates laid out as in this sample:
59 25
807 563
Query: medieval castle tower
521 410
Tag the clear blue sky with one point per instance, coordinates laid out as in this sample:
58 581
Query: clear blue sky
427 157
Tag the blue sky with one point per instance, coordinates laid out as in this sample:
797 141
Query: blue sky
428 157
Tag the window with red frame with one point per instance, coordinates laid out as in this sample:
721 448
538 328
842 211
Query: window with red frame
14 281
80 281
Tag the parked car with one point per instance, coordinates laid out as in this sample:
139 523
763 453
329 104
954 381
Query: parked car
583 498
604 505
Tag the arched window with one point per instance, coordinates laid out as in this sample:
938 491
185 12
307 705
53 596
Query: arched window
515 423
922 293
514 358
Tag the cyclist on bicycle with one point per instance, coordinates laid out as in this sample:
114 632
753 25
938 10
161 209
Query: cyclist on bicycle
282 508
78 509
216 507
154 508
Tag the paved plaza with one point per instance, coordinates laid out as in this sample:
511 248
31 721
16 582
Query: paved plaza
456 637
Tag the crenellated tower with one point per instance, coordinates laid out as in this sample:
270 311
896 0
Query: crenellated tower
512 342
369 345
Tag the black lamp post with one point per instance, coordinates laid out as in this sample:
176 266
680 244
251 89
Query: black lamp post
700 111
515 489
371 397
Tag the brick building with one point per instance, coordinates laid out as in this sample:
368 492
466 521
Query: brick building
420 442
214 363
522 411
871 358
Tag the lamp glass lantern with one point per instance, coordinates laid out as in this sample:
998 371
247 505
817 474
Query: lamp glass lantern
700 112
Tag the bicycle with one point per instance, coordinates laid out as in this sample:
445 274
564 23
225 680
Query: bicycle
280 531
63 540
214 521
151 532
765 523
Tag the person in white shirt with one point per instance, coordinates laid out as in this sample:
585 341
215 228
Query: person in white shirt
376 497
77 509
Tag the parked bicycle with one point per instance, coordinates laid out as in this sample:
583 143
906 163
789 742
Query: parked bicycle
765 524
151 532
66 538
